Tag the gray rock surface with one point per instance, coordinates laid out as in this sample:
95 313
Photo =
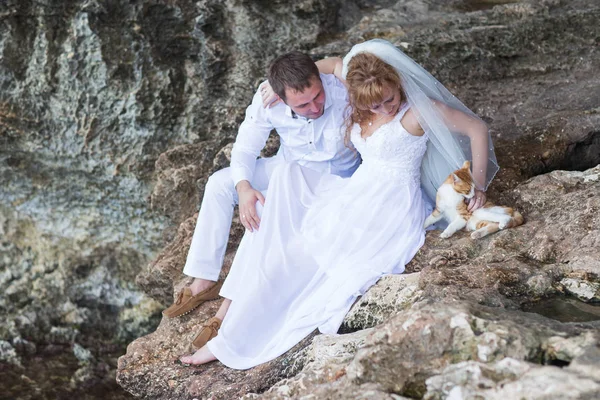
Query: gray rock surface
443 331
113 113
97 99
528 69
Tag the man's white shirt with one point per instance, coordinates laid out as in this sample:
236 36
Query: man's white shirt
314 143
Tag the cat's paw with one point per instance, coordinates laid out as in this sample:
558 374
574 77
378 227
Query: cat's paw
477 235
503 224
445 235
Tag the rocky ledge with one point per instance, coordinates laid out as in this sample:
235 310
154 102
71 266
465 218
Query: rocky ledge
461 321
513 315
114 112
100 103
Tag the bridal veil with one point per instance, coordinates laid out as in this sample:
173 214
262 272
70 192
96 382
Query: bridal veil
447 148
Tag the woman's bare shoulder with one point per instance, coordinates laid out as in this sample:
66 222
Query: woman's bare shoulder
410 122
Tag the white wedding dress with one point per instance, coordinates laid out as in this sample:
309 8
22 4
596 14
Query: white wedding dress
323 241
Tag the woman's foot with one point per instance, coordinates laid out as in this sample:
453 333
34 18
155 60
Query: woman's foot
202 356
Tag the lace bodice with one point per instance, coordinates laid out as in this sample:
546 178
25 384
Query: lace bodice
391 150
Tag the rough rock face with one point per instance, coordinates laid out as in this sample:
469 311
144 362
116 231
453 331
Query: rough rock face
101 104
466 334
457 326
445 349
462 323
514 66
113 113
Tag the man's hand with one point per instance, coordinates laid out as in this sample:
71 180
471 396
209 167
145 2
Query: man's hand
477 201
269 97
248 196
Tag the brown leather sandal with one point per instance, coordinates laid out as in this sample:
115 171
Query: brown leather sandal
209 330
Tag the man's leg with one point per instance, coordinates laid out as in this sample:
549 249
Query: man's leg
211 234
207 250
205 257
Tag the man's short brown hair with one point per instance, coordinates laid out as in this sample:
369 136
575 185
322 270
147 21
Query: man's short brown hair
293 70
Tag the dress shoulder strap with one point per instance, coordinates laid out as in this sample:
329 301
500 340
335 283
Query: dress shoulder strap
403 109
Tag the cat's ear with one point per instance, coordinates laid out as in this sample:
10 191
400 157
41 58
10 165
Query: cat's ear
455 178
466 165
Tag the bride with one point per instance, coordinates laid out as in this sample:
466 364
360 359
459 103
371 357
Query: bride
324 240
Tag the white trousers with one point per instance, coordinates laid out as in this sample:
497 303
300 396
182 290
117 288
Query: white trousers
205 257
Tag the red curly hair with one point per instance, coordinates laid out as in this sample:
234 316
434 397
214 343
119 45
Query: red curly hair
368 77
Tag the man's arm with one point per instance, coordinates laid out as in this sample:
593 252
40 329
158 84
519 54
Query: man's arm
251 139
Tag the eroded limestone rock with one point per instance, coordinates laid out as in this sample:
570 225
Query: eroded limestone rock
112 115
513 65
458 317
108 104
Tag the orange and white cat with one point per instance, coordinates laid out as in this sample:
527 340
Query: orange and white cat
450 205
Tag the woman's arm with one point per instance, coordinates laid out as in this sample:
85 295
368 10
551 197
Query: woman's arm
476 130
331 65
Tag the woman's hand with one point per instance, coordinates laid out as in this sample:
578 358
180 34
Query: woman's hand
269 97
477 201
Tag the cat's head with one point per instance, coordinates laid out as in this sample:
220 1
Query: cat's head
463 182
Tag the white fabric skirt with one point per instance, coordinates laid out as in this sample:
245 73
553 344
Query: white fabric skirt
322 242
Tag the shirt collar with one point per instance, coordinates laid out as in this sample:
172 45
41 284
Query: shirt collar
288 111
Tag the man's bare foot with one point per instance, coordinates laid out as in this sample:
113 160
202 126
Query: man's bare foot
201 356
198 285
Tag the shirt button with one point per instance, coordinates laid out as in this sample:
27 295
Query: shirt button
309 142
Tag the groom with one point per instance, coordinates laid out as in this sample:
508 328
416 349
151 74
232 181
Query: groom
309 122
